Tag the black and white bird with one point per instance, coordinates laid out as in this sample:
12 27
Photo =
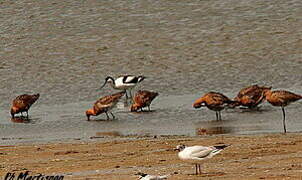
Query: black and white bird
196 154
144 176
127 82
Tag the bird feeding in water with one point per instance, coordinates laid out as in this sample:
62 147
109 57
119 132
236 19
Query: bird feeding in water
196 154
22 104
143 99
104 105
127 82
251 96
214 101
281 98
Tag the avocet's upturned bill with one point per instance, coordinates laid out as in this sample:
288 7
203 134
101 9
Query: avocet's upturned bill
125 83
196 154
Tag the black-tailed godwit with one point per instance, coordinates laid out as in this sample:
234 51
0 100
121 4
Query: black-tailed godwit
214 101
281 98
104 105
22 104
143 99
250 96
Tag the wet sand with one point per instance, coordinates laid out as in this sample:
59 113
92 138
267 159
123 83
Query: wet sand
273 156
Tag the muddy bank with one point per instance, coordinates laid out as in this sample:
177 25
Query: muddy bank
274 156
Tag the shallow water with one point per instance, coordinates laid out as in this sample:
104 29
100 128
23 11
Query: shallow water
64 50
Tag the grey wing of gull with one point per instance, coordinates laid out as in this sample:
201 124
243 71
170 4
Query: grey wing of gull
201 151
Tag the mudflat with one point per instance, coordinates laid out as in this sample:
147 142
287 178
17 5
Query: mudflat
270 156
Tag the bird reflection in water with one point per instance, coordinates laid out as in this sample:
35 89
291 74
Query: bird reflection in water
212 130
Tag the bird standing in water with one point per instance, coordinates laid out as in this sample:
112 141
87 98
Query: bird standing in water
104 105
196 154
281 98
250 96
214 101
143 99
127 82
22 103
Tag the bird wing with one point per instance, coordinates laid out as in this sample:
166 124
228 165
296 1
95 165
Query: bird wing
286 96
147 96
130 79
218 98
24 100
19 103
247 90
199 151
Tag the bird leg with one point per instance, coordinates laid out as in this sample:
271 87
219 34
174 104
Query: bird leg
107 115
149 108
126 94
26 114
219 112
196 170
284 126
217 118
112 115
130 93
199 168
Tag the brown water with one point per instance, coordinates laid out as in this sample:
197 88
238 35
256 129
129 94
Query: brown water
64 50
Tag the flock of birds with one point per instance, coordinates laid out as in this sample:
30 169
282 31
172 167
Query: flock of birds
249 97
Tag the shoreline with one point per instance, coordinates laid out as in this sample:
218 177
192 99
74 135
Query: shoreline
265 156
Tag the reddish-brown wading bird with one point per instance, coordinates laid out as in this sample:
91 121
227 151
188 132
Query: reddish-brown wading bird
22 104
281 98
214 101
143 99
250 96
104 105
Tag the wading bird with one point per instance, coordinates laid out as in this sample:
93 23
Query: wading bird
281 98
104 105
143 99
250 96
214 101
196 154
22 103
127 82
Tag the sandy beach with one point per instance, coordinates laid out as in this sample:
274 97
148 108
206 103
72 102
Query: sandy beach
274 156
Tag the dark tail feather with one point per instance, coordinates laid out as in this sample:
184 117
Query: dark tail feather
221 146
141 78
34 98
